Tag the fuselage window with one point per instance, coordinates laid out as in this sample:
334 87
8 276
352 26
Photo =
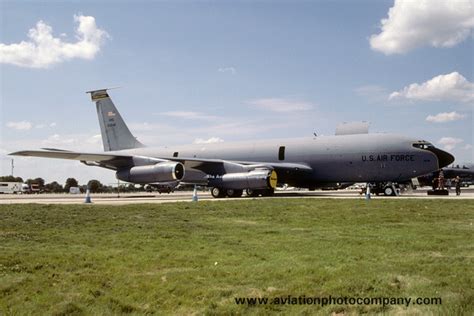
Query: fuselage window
175 154
281 153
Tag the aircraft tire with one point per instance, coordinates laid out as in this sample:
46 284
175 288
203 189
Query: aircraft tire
217 193
388 191
234 193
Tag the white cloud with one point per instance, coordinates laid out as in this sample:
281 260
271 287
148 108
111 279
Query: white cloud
227 69
22 125
43 49
449 143
211 140
75 142
143 127
26 125
189 115
96 139
445 117
449 87
281 105
467 147
58 140
411 24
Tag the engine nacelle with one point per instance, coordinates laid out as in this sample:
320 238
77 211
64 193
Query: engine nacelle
161 172
256 179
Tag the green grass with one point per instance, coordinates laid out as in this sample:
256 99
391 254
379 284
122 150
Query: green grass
195 258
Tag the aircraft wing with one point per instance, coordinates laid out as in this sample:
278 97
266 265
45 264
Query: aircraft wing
206 166
110 161
66 155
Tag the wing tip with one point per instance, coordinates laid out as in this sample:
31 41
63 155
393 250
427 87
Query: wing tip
18 153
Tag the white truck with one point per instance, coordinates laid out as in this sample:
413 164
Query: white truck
74 190
10 187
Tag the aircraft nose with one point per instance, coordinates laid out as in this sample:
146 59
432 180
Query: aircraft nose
444 158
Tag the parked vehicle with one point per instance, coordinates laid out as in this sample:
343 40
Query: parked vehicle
74 190
33 188
10 187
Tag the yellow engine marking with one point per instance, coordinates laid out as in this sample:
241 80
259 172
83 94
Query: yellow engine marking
272 181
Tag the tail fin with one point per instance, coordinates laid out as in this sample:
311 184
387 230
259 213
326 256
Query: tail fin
115 133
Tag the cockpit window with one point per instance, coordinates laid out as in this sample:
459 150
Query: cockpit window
423 145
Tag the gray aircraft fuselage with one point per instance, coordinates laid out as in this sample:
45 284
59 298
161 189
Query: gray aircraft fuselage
342 158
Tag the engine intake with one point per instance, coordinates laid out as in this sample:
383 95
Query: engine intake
160 172
255 179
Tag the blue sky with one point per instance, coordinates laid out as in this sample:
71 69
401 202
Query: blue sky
199 71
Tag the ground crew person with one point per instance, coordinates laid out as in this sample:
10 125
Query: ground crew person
457 183
441 180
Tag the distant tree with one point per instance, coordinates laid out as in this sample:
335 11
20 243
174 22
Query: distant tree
121 188
54 187
70 182
40 182
131 187
10 179
95 186
108 189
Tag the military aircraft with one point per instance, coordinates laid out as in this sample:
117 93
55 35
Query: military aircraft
352 155
465 171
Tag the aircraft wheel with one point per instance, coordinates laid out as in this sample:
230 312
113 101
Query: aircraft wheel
217 193
252 193
234 193
388 191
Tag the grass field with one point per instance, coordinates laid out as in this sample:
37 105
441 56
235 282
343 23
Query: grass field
196 258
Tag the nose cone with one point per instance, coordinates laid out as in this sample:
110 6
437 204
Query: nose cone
444 158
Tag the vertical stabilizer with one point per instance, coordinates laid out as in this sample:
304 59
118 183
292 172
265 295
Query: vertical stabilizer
115 133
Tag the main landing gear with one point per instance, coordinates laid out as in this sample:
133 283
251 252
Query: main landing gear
387 189
219 193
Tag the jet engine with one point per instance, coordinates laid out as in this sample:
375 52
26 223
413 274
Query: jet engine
256 179
161 172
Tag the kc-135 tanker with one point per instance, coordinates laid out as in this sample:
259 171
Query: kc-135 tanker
230 168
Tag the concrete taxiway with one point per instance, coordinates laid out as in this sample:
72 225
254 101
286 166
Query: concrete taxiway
186 196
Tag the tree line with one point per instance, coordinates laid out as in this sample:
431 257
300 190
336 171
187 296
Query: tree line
95 186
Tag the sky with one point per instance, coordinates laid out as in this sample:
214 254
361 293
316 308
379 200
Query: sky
221 71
